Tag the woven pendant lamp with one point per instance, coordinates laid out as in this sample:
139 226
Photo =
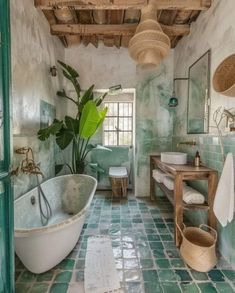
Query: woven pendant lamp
149 45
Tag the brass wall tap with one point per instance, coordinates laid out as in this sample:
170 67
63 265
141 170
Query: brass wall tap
28 165
191 142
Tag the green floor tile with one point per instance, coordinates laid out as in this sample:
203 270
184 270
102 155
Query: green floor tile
47 276
189 288
159 253
173 253
152 237
22 287
152 287
150 276
134 287
156 245
63 277
166 237
163 263
229 274
27 277
216 276
224 288
79 276
177 263
144 252
66 264
167 275
199 276
146 263
170 287
17 274
80 264
207 287
183 275
59 288
39 288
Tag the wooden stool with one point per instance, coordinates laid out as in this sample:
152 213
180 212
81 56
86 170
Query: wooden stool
119 181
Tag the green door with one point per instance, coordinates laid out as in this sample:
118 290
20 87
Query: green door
6 200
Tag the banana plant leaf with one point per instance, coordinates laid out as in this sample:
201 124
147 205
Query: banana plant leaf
91 119
72 124
64 137
52 129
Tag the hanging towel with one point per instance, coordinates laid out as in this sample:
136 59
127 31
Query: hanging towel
192 196
224 197
158 175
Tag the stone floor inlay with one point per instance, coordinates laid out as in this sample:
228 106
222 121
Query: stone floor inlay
147 260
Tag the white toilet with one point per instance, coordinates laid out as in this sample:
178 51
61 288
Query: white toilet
119 180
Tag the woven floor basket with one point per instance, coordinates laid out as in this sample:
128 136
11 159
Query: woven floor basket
224 77
198 247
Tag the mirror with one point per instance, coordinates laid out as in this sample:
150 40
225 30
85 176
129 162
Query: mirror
199 95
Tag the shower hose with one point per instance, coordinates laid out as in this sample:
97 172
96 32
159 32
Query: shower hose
46 212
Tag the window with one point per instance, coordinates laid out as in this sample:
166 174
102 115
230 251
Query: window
118 124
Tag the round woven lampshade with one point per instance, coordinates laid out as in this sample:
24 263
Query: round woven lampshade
149 45
224 77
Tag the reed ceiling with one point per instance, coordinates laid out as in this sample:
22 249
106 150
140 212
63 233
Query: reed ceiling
113 22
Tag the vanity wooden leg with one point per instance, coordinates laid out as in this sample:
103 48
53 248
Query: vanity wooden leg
178 207
212 185
152 185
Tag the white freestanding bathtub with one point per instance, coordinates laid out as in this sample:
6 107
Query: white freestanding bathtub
39 247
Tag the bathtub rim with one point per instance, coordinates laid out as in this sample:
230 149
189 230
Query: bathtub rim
55 227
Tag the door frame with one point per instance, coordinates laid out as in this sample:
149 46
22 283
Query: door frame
4 172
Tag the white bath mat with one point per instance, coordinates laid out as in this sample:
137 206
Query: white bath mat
101 275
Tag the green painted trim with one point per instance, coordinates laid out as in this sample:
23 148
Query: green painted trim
6 84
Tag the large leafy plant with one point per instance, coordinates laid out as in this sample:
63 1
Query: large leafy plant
76 131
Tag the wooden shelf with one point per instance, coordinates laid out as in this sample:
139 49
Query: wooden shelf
182 173
170 195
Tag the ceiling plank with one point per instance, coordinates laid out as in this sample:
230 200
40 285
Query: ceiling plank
115 30
123 4
92 4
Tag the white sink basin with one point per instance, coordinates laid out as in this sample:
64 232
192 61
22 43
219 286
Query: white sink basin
174 158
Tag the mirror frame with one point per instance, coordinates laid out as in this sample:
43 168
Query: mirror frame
207 102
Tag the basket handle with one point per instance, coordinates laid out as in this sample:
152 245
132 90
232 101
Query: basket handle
211 229
181 232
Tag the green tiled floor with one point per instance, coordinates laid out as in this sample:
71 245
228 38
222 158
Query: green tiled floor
146 257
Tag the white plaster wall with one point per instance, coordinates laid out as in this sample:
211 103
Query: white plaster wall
215 30
34 51
105 67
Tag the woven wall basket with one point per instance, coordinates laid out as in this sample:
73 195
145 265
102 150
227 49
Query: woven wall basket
198 247
224 77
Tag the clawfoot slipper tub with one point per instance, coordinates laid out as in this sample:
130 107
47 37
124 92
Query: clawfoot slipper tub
40 248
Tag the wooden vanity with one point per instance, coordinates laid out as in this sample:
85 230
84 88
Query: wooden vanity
182 173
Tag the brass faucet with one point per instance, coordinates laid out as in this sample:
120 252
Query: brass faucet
191 142
28 165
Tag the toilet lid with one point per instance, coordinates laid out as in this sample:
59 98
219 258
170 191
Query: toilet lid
118 172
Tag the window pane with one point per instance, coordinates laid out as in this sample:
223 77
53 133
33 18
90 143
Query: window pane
110 123
125 109
125 124
112 109
125 138
110 138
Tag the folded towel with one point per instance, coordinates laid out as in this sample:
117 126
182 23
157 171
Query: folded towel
158 175
224 197
192 196
168 182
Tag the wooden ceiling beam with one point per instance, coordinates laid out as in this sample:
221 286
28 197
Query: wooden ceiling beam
123 4
112 29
